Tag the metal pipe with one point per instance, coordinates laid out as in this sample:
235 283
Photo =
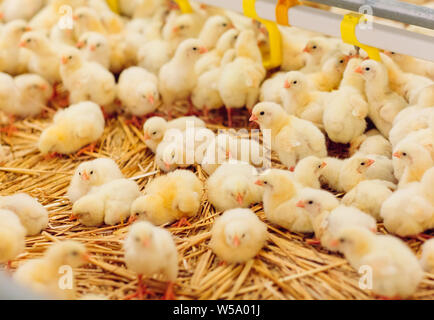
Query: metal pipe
388 9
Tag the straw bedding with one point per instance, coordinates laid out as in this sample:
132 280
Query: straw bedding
287 268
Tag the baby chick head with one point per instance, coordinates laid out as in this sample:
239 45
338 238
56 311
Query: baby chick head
148 93
170 157
48 140
408 153
71 58
16 28
235 189
93 42
295 81
277 180
315 201
236 233
311 163
372 70
338 63
71 253
33 40
33 85
90 173
85 15
191 49
154 128
315 47
354 240
146 207
267 114
182 26
227 40
141 234
89 210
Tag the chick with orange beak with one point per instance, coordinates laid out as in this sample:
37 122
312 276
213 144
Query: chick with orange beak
238 235
90 174
138 91
232 186
151 250
95 47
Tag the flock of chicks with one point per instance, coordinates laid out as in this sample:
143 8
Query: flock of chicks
210 59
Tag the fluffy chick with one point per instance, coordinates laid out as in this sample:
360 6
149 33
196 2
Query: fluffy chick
372 142
280 198
427 257
384 104
109 203
396 272
369 196
238 235
91 174
169 198
177 77
232 185
72 129
410 210
292 138
12 236
42 275
86 81
138 91
156 127
13 59
95 47
35 92
308 171
328 217
151 250
33 216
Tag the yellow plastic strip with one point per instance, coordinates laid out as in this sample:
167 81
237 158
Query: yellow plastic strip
113 4
348 32
282 11
275 58
185 6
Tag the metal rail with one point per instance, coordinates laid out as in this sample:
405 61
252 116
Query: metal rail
388 9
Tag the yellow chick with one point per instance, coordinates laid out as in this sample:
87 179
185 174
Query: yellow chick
292 138
109 203
9 94
213 29
155 128
364 167
240 79
280 198
151 250
72 129
175 196
384 104
372 142
91 174
232 185
86 81
308 171
43 275
410 162
87 20
394 268
177 77
12 236
328 217
317 50
35 92
271 88
11 10
427 257
344 117
13 58
330 75
45 56
410 210
138 91
369 195
33 216
238 235
412 65
95 47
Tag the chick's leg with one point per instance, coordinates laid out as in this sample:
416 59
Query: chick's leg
170 294
88 148
141 292
313 241
229 113
181 223
10 128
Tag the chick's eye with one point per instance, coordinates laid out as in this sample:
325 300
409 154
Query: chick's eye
225 24
70 57
29 40
195 48
341 240
265 182
262 113
362 163
91 172
404 154
295 82
137 239
74 253
310 202
154 133
367 68
341 61
314 47
243 235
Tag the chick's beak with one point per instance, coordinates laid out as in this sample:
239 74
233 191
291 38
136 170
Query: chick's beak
203 50
151 99
240 199
300 204
166 165
132 218
28 29
86 256
175 29
236 241
334 243
44 87
359 70
92 48
85 176
22 44
145 242
259 182
146 136
306 49
397 155
80 44
287 85
74 17
64 60
253 117
370 162
323 165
